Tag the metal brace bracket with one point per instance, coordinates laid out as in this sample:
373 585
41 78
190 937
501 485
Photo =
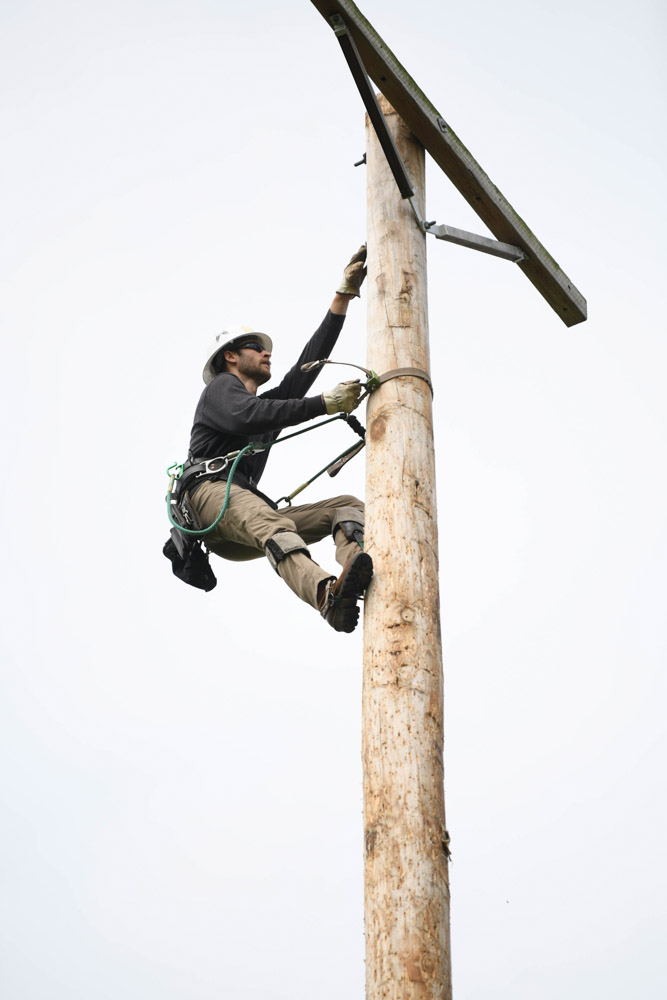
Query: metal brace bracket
474 242
466 239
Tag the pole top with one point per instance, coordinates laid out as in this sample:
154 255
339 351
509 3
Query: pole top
465 173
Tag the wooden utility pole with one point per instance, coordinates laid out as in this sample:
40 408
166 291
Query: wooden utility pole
406 843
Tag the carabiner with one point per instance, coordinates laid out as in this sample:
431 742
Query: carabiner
179 473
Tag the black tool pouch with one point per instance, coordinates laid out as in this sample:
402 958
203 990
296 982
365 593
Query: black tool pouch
188 560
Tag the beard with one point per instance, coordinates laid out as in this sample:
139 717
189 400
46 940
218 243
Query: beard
254 369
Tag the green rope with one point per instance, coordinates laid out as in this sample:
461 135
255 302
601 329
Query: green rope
205 531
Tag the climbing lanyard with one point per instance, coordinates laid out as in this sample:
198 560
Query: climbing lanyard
374 381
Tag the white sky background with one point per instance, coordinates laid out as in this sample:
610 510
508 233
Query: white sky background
181 774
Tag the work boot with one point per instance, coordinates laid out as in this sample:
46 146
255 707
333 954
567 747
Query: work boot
339 602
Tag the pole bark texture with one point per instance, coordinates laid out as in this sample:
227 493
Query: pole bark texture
406 844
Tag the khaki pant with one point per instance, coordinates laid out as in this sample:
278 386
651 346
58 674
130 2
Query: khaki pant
249 522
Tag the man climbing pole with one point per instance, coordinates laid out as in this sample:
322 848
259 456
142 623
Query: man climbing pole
229 416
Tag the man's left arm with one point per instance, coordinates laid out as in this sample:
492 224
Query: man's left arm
296 383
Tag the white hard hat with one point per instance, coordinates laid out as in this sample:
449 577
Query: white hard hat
225 341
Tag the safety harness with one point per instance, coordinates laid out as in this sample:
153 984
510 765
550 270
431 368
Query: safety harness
190 562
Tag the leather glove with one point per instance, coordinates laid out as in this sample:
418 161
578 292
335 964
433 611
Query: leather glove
354 274
343 398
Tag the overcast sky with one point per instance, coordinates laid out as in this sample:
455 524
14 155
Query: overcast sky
180 772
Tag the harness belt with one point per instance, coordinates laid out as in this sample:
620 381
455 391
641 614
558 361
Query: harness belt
199 468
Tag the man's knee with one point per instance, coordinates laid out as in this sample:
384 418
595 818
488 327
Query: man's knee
348 502
283 544
350 520
348 508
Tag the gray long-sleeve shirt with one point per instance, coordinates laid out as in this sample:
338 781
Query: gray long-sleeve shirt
228 417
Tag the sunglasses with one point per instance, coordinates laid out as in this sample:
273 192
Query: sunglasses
250 345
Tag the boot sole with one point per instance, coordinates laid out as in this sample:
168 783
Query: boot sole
357 577
344 615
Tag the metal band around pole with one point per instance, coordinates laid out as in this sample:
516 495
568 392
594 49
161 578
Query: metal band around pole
400 372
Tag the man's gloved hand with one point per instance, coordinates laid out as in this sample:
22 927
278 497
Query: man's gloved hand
343 398
354 275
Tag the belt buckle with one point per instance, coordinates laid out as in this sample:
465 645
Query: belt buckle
209 463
